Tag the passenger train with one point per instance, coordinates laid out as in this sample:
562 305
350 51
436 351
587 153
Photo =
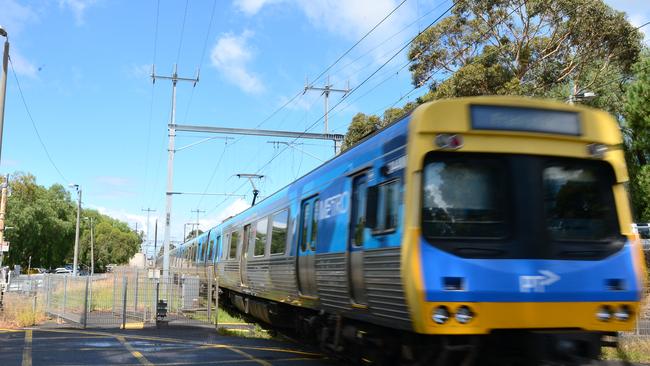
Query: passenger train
473 230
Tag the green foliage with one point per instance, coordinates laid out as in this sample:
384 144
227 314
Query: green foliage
543 48
637 136
44 221
535 48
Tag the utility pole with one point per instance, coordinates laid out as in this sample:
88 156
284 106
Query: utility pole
148 210
3 83
196 233
170 161
76 235
155 241
326 90
3 210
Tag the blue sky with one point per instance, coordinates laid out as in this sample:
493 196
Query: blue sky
83 66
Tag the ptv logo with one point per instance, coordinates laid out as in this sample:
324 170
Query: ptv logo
537 283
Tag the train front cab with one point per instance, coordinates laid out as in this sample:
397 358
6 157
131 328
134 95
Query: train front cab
517 222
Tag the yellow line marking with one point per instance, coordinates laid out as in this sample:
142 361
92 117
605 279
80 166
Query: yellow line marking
182 341
249 356
27 349
4 330
143 360
136 325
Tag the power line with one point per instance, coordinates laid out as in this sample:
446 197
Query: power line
351 92
180 43
151 102
29 114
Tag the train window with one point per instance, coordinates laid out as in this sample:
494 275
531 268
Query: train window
387 207
261 228
314 225
226 246
358 222
234 241
578 201
210 251
306 213
464 198
279 232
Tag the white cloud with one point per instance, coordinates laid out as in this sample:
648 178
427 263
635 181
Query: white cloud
252 7
230 55
78 8
22 65
14 16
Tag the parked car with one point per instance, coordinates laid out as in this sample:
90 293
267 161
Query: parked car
63 270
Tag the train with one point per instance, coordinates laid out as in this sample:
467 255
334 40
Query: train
479 230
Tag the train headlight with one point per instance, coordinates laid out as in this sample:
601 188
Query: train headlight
604 313
623 313
464 314
441 315
597 150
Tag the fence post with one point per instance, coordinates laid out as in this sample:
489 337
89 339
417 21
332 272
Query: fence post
209 295
65 294
48 293
156 297
135 298
124 284
114 291
216 301
85 313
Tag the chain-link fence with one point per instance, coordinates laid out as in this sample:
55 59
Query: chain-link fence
132 297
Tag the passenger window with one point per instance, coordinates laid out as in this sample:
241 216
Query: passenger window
234 241
210 251
226 247
388 206
306 213
358 223
260 236
279 232
314 225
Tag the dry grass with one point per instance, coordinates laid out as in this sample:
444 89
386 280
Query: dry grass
19 311
631 349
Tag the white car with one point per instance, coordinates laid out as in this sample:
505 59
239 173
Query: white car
62 270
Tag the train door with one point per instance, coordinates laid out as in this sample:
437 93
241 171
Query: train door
243 256
355 239
307 247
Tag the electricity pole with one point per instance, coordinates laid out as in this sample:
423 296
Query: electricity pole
170 161
326 90
76 235
3 82
196 233
148 210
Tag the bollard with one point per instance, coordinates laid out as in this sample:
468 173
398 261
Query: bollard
124 284
85 313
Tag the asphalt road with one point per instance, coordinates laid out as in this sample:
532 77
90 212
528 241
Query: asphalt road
175 346
171 346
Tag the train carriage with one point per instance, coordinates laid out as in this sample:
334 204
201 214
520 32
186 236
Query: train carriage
469 222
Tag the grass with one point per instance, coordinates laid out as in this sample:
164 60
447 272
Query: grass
630 349
19 311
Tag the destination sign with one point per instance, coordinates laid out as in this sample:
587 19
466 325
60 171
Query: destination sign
491 117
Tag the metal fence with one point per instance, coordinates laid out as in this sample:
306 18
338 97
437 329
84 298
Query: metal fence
131 297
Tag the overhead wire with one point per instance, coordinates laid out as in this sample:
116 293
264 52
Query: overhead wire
151 102
352 91
31 119
180 43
